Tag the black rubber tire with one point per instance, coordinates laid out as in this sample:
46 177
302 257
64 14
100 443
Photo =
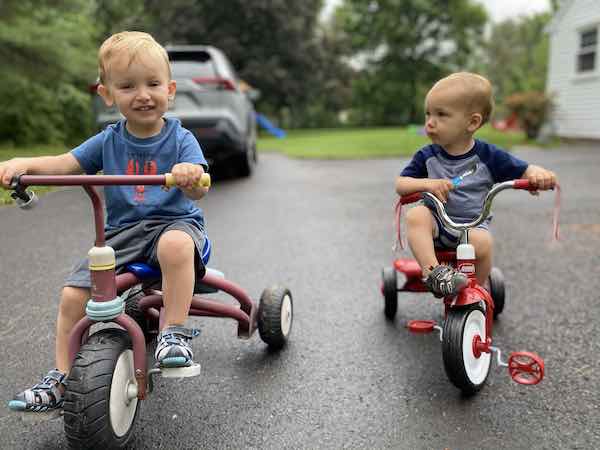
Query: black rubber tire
275 302
497 290
132 309
452 349
390 291
245 163
87 396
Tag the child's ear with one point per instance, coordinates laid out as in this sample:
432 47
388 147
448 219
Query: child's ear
104 92
172 87
475 122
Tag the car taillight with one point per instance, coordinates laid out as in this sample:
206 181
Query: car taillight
226 84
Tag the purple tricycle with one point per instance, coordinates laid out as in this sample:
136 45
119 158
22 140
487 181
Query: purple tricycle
109 374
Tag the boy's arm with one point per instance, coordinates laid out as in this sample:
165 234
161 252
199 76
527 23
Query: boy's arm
64 164
539 177
438 187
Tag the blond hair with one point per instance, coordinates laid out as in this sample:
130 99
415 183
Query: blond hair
476 92
133 43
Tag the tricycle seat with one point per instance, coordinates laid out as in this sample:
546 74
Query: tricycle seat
145 271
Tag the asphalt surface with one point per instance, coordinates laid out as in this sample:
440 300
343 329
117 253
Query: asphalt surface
349 378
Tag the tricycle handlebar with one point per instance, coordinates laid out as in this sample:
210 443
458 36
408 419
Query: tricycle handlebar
487 203
104 180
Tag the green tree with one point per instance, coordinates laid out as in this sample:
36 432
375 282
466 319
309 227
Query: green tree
49 47
402 46
516 55
276 46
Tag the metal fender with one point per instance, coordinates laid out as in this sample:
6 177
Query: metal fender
472 295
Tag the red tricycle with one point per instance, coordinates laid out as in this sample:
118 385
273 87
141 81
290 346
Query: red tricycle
466 332
109 374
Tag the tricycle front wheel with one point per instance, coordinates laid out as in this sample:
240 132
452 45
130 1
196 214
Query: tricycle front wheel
101 402
465 369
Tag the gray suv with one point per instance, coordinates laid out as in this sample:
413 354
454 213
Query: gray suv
210 102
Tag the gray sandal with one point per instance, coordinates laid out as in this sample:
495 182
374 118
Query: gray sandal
42 397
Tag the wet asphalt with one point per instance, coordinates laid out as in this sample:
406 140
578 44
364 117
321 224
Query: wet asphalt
348 378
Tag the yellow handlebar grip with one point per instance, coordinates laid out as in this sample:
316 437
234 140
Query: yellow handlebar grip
204 180
169 180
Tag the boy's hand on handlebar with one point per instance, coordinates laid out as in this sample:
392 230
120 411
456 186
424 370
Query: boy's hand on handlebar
440 188
187 175
10 169
540 178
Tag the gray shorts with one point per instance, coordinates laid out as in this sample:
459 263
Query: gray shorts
139 243
448 238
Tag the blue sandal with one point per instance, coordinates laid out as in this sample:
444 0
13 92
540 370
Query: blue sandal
42 397
173 348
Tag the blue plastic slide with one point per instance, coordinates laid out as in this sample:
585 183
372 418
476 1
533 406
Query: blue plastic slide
263 122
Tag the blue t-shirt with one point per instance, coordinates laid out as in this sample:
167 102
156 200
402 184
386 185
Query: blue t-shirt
116 152
484 165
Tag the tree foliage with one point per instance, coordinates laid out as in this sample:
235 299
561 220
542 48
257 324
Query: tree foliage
276 46
49 47
403 47
516 55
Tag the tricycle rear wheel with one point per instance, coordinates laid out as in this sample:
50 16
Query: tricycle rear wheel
98 410
390 291
497 290
275 316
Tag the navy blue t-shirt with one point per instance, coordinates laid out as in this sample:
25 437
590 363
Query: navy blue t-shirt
485 164
117 152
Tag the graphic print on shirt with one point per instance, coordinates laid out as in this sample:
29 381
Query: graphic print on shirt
135 167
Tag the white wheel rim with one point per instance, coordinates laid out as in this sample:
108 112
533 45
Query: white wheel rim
122 408
475 368
286 315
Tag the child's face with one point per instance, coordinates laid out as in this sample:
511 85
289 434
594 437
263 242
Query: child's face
141 89
447 121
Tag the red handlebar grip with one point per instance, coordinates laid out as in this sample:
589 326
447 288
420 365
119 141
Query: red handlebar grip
523 184
411 198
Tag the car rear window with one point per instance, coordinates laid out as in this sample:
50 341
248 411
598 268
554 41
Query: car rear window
193 69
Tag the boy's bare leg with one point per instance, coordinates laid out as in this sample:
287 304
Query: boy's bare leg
483 242
70 311
176 257
419 222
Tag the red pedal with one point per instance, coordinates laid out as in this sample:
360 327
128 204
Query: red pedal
526 367
421 326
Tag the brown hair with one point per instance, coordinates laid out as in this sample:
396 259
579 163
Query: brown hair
133 43
476 92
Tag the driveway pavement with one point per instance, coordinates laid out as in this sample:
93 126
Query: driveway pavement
349 378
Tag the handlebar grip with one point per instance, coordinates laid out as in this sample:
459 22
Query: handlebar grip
411 198
523 184
204 180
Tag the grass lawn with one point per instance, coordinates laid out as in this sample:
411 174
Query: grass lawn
11 152
357 143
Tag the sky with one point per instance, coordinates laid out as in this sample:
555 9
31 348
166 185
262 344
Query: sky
498 10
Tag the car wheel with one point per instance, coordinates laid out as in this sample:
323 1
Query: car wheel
246 162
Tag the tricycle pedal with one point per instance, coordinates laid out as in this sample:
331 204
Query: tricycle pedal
176 372
38 417
421 326
180 372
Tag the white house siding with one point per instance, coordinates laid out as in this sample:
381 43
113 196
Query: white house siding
577 96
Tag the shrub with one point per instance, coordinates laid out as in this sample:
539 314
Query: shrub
532 108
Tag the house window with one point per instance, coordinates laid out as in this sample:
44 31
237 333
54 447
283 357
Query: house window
588 43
